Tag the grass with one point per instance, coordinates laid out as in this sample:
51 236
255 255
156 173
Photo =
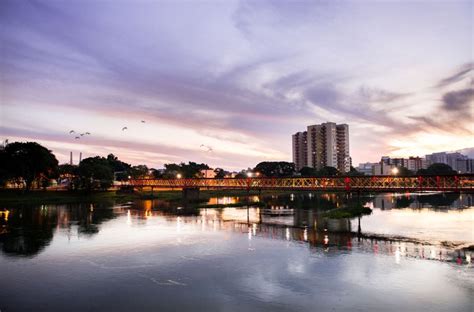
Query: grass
347 212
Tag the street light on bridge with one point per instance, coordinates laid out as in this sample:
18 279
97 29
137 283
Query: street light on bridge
178 176
395 171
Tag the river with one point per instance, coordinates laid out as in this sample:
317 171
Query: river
412 254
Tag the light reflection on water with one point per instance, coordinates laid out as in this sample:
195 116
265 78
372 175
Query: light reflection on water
234 257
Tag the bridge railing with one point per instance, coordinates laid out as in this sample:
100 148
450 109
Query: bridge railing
463 182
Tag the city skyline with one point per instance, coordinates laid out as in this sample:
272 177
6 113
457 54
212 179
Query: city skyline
227 83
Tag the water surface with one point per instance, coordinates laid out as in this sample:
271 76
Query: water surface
157 256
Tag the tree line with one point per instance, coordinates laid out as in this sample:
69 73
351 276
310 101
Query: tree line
31 164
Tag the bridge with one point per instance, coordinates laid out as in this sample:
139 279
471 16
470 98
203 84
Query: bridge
442 183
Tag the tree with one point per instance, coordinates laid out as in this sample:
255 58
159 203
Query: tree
139 172
404 172
241 175
437 169
353 172
308 172
220 173
189 170
120 169
328 172
28 161
275 168
157 173
95 173
67 169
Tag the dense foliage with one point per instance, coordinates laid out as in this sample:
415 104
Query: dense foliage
323 172
275 169
95 173
189 170
26 163
437 169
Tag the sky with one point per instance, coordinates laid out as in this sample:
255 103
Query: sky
228 82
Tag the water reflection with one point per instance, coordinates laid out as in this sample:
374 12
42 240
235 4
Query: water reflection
171 257
27 231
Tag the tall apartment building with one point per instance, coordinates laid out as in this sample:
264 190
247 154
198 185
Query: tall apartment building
300 149
326 144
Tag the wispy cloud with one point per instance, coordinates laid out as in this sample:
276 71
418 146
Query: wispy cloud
240 76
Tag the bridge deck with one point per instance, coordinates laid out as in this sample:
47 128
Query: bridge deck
462 182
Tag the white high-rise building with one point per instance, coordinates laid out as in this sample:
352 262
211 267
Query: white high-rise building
326 144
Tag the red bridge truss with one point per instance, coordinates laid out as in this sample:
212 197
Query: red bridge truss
462 182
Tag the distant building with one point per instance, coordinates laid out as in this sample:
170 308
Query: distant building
366 168
412 163
208 173
416 163
437 158
465 165
451 159
300 149
382 169
322 145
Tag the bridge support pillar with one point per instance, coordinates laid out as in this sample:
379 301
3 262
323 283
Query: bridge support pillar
191 193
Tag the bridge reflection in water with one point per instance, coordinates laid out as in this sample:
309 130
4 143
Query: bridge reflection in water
28 231
305 227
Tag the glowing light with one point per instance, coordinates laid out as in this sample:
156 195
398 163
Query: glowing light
305 235
178 224
249 174
254 229
433 253
178 176
468 258
395 171
326 240
5 214
287 234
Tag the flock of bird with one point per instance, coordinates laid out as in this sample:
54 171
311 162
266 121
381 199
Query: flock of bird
79 134
207 148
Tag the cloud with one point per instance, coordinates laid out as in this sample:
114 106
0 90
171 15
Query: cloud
243 73
459 75
459 101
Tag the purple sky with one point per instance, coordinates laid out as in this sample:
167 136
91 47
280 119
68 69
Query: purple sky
237 76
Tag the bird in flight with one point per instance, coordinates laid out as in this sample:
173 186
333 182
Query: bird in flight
143 121
88 133
124 128
82 134
72 131
208 148
78 137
